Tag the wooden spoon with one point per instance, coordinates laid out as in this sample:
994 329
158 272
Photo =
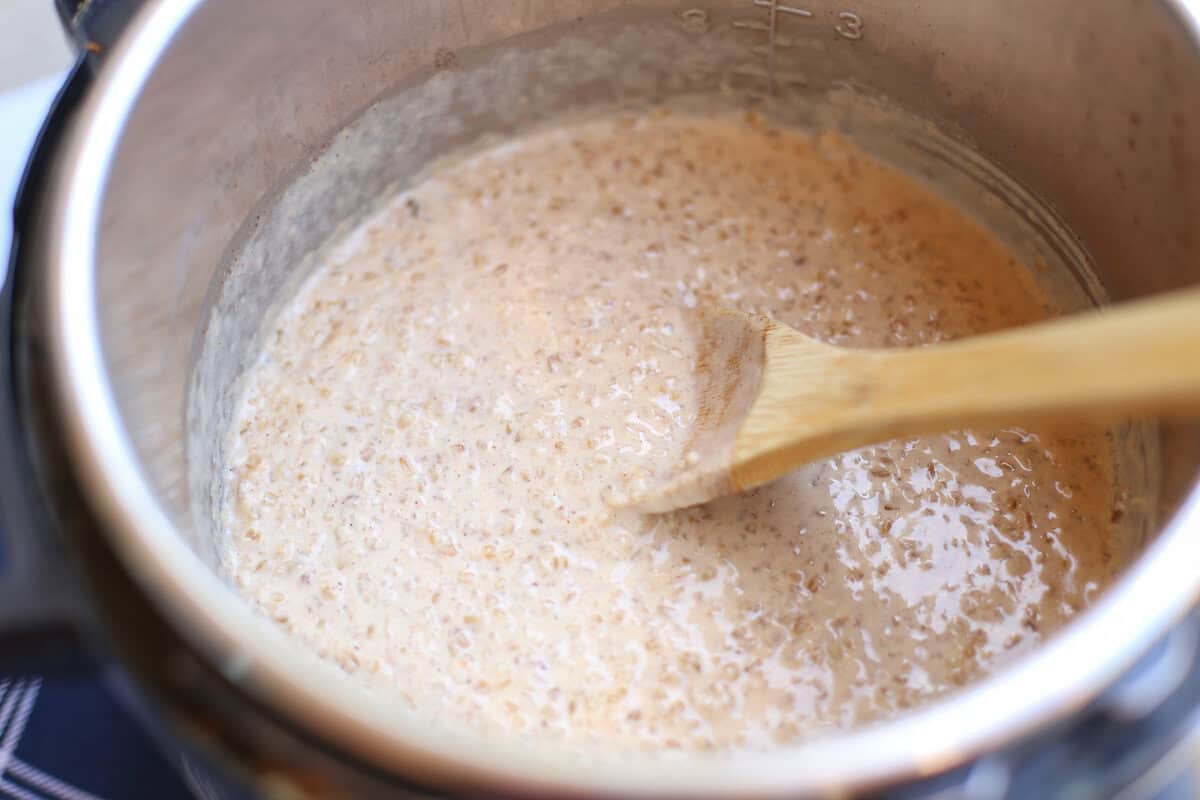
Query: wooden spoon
772 398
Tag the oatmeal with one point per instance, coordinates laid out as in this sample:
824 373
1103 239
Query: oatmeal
426 445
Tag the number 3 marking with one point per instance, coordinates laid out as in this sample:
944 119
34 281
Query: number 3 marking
851 25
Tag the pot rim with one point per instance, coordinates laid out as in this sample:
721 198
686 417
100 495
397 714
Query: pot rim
1064 674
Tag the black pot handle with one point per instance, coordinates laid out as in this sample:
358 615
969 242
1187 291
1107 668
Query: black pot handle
44 614
39 599
95 24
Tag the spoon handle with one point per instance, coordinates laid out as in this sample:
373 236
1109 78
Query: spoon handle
1135 358
804 400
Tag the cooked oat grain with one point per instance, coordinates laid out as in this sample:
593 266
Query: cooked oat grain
424 452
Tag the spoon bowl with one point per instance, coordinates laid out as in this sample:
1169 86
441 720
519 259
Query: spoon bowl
772 398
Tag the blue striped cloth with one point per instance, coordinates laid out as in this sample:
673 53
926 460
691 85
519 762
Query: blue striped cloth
66 738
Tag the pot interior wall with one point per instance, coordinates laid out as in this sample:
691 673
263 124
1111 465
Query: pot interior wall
268 126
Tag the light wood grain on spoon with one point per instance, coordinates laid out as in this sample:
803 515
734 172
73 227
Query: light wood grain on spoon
772 398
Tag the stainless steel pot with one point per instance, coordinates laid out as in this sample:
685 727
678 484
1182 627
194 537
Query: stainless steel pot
205 161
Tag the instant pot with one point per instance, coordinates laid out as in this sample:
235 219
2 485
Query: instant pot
201 148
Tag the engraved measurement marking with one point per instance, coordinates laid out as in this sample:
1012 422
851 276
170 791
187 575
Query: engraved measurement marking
695 20
849 26
776 8
771 28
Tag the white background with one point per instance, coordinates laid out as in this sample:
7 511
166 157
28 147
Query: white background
32 43
34 55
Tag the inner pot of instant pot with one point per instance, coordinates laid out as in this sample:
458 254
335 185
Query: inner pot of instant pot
224 145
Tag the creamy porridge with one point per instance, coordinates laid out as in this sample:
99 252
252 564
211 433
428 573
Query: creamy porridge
425 449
